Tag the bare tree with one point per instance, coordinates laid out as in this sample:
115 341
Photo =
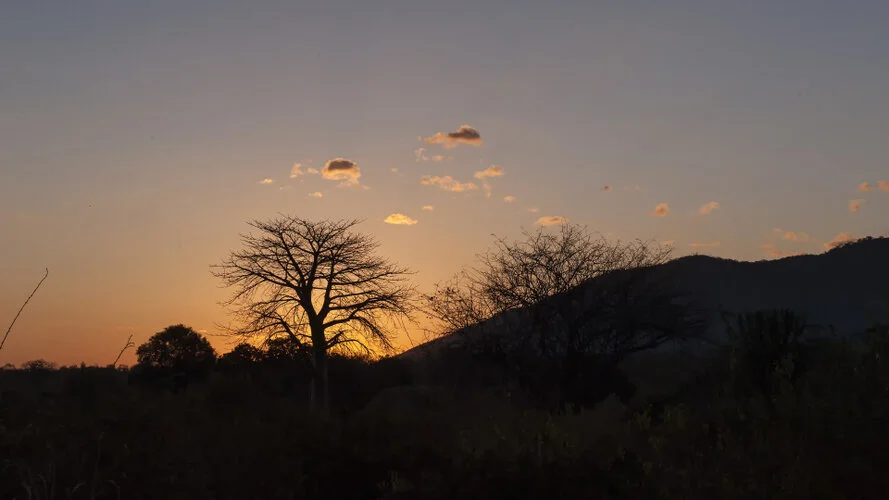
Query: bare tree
45 275
318 283
128 345
523 305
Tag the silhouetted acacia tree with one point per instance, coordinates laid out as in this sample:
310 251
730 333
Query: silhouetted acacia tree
540 315
179 351
318 283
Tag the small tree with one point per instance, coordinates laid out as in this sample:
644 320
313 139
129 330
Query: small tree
177 349
318 283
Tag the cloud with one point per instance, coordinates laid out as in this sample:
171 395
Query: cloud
447 183
317 194
839 240
533 210
419 155
296 170
464 134
551 220
488 189
708 207
705 245
341 169
864 187
607 187
311 170
428 208
492 171
661 210
400 220
855 205
509 199
883 185
766 246
442 158
797 237
393 170
782 253
667 243
266 181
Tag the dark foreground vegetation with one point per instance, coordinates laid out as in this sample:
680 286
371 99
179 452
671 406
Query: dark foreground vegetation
774 417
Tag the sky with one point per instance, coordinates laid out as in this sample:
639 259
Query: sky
137 139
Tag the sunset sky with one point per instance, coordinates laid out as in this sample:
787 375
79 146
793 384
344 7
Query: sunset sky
138 138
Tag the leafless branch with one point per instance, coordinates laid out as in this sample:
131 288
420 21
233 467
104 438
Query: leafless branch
128 345
45 275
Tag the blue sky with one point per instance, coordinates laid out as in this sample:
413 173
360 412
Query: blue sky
134 137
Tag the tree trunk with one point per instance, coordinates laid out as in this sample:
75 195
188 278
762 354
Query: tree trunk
320 400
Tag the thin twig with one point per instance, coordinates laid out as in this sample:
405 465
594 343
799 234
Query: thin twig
126 346
23 308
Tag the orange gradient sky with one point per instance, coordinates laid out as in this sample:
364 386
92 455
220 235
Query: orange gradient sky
138 138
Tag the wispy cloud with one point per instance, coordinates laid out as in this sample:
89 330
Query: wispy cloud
533 210
839 240
551 220
855 205
393 170
447 183
794 236
487 189
399 220
774 252
766 246
661 210
492 171
317 194
311 170
420 155
465 134
711 244
441 158
428 208
668 243
708 207
267 181
607 187
883 185
864 187
341 169
509 198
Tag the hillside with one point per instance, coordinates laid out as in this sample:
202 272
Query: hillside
847 287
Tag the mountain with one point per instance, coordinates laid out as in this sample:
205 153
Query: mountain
846 288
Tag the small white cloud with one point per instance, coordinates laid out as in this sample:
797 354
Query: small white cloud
509 199
855 205
400 220
317 194
266 181
420 155
667 243
492 171
393 170
708 207
711 244
864 187
311 170
465 134
447 183
296 170
442 158
883 185
794 236
428 208
551 220
839 240
533 210
661 210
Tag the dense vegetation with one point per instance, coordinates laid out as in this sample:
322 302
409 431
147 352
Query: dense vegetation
242 429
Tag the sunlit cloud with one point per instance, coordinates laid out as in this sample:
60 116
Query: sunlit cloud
341 169
317 194
711 244
708 207
551 220
393 170
607 187
668 243
509 199
428 208
465 134
400 220
883 185
864 187
839 240
533 210
855 205
797 237
661 210
311 170
267 181
419 154
492 171
782 253
447 183
441 158
487 189
766 246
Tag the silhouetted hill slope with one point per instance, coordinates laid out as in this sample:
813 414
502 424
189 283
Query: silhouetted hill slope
847 287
